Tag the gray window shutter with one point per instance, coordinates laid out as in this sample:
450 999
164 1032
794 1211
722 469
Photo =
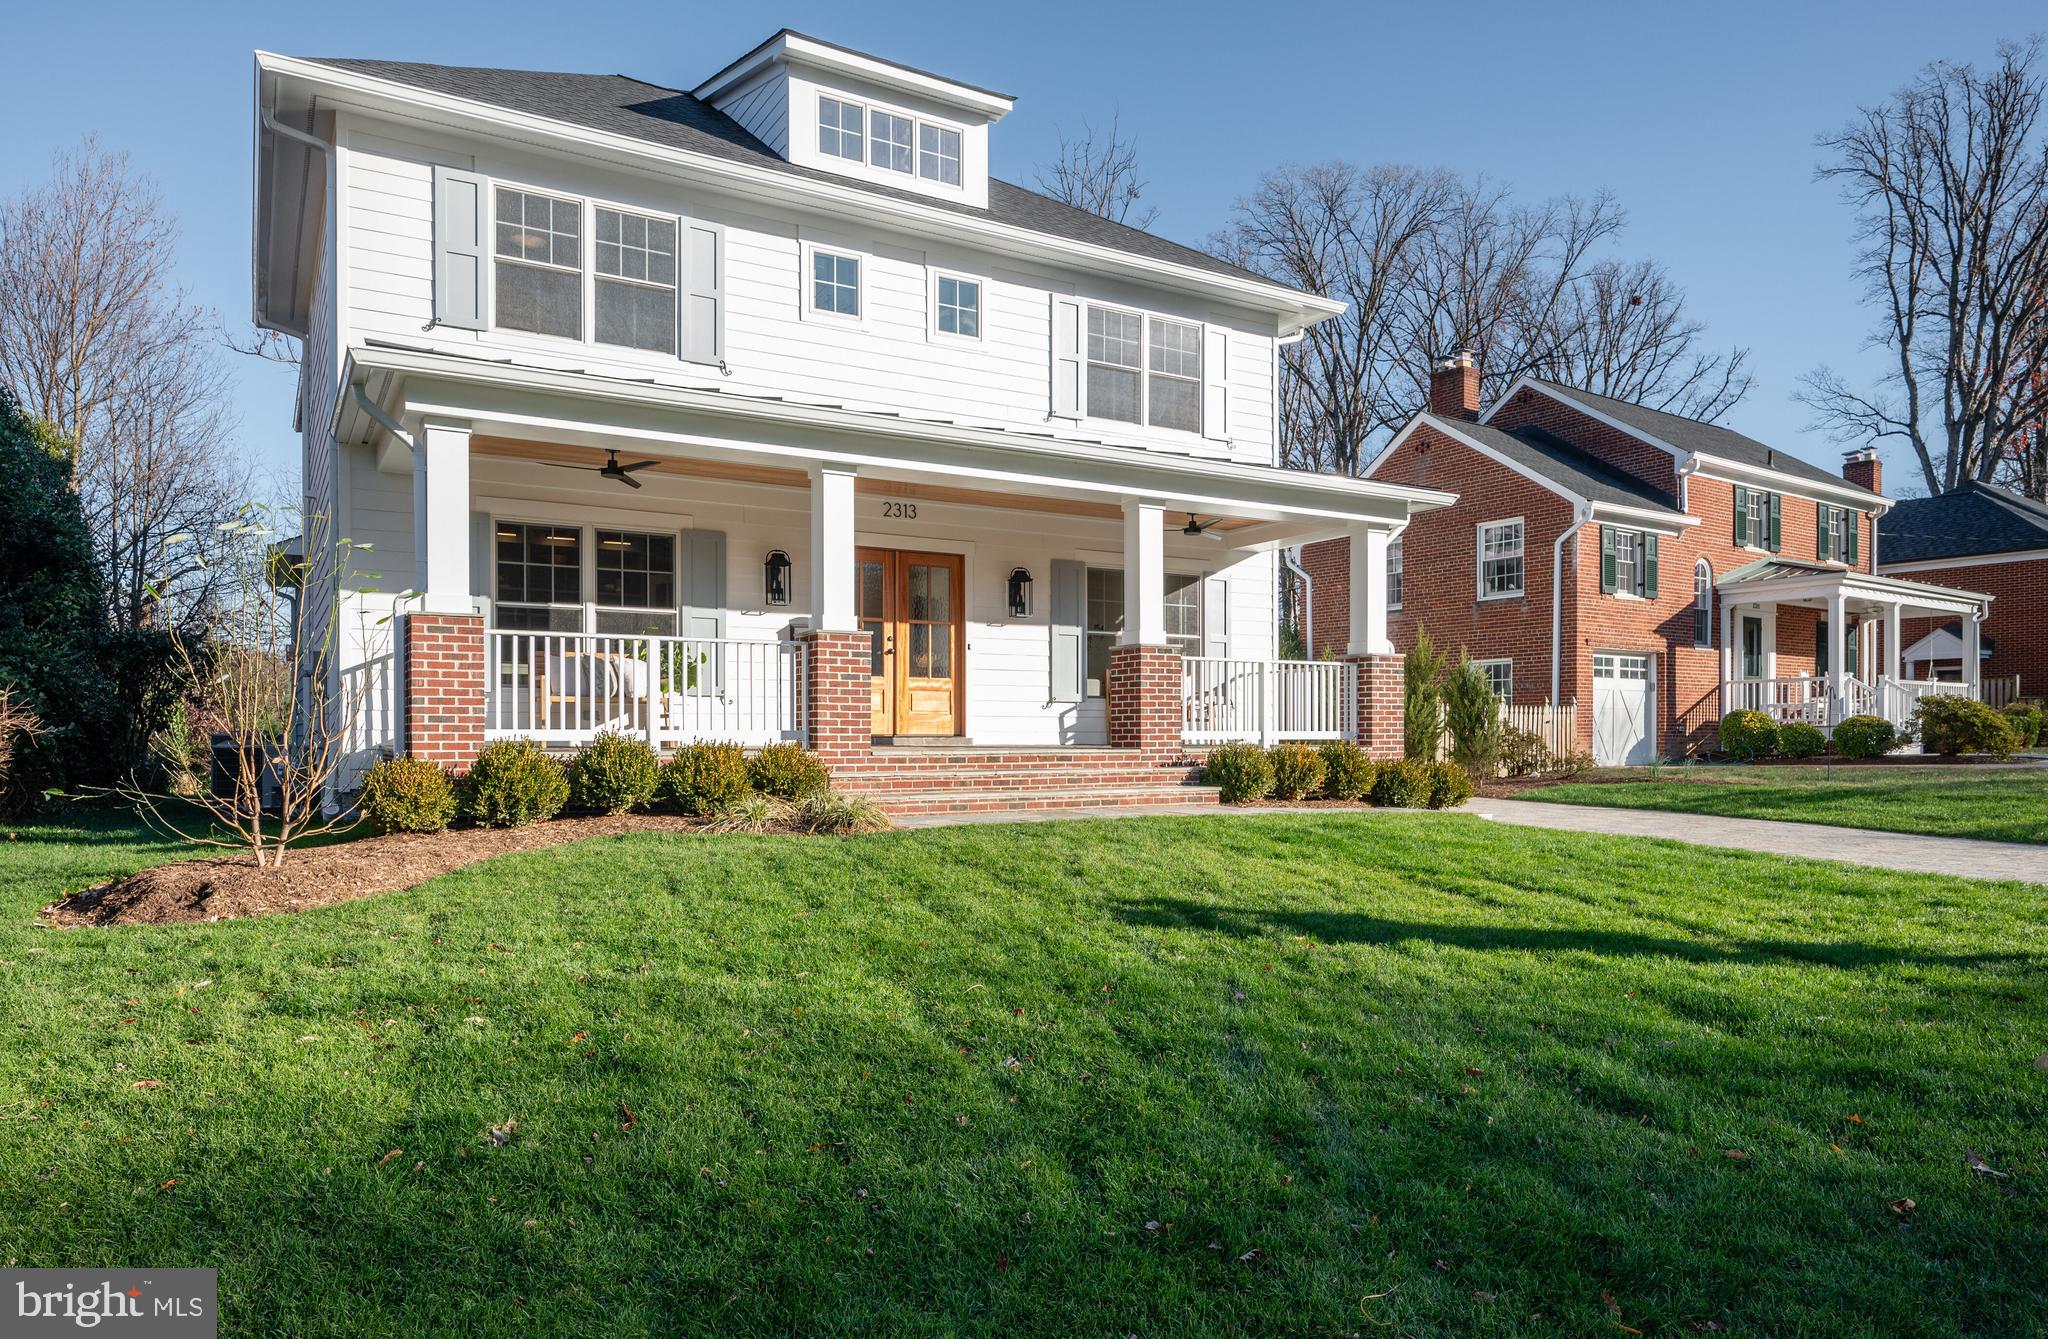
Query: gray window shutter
1215 383
1649 566
703 612
702 310
1069 621
1068 400
481 541
1215 616
1741 516
459 234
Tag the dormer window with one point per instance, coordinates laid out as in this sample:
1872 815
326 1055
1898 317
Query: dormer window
840 129
938 154
889 141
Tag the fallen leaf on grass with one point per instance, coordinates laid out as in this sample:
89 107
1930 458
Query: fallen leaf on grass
168 1184
1978 1165
394 1153
1734 1155
1903 1206
626 1120
501 1135
578 1037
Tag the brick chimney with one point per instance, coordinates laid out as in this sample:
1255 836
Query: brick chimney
1863 469
1454 386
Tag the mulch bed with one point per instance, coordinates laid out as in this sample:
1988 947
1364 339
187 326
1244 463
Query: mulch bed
226 888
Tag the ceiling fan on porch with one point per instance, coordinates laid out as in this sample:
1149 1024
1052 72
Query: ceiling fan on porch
611 469
1194 527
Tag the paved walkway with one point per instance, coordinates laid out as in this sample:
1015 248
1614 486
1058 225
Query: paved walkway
1911 852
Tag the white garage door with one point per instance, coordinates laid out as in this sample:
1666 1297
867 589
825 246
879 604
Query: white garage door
1624 710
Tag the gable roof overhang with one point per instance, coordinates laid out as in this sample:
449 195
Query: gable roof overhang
293 81
291 174
1655 519
405 386
1702 463
793 47
1790 581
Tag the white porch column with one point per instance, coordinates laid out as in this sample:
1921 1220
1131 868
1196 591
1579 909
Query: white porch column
1892 648
1973 654
1144 574
832 566
1838 668
1369 593
440 518
1731 646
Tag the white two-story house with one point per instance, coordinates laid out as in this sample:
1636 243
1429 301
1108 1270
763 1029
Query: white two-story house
763 411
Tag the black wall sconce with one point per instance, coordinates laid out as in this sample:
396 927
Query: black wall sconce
1020 593
776 574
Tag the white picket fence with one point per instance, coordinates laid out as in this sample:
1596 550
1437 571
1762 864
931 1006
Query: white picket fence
1557 727
563 688
1227 701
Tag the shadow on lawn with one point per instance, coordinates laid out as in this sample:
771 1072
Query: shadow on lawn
1345 927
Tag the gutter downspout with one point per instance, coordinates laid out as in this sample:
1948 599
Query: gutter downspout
382 419
275 126
1581 515
1308 601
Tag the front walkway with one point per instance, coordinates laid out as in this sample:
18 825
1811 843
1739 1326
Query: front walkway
1913 853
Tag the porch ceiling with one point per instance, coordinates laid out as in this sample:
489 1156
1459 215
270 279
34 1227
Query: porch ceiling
1786 581
689 430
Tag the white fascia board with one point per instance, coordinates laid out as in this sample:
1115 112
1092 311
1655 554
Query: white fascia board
579 407
1966 560
1642 518
796 49
1636 518
387 97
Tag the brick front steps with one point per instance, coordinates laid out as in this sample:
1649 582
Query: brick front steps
1003 800
911 780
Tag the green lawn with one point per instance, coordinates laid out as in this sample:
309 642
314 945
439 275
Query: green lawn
1401 1074
1998 804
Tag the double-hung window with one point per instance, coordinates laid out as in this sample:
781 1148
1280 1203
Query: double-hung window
959 307
1703 604
835 283
938 154
636 281
636 583
1756 518
539 577
1184 613
1105 624
1500 559
1628 562
841 129
889 141
1173 393
538 243
1394 575
1837 534
1500 677
1115 386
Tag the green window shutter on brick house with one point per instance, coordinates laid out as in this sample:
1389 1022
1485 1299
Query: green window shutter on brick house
1649 567
1741 516
1773 545
1855 525
1823 528
1606 560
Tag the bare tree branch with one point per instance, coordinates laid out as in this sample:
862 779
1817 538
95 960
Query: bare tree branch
1098 172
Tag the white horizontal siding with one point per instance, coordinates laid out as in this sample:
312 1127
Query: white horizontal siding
889 362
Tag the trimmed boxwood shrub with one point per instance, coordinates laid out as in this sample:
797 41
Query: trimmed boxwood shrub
513 781
1297 770
2029 720
1402 785
1865 737
1797 739
614 773
1953 725
1748 735
407 795
1449 784
786 772
1242 772
1347 772
704 779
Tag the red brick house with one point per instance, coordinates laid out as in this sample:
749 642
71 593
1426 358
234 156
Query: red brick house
1986 539
1655 569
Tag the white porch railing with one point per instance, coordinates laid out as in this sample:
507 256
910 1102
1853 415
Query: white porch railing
562 688
1264 701
1896 698
1802 698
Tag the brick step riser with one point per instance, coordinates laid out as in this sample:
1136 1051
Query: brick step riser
1015 803
930 779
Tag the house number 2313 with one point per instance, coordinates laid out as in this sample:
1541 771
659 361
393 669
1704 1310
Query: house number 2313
899 511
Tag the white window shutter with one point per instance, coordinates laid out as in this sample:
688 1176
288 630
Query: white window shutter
701 312
1215 383
459 234
1068 399
1215 616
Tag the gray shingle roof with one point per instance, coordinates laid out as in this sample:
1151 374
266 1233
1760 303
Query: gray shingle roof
1691 435
1563 464
1976 519
674 119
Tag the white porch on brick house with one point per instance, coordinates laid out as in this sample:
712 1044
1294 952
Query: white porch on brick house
1145 618
1857 673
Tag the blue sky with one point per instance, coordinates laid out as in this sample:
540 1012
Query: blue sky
1700 118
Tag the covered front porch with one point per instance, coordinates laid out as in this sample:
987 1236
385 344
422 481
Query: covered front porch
1818 644
686 565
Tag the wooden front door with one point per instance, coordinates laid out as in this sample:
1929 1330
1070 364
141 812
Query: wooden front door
911 605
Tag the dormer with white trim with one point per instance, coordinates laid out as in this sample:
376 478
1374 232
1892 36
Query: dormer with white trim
825 107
